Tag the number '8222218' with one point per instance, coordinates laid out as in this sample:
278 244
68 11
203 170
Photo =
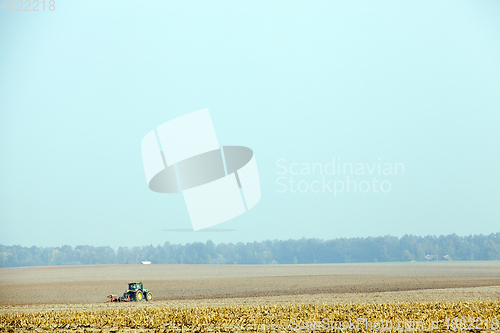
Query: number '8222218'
28 5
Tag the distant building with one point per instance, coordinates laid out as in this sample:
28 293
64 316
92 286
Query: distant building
431 257
447 257
146 262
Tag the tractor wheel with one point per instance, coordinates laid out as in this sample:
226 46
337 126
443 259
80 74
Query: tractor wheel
138 296
149 296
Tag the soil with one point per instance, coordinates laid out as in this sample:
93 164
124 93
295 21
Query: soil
35 289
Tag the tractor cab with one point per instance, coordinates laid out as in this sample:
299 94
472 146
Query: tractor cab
133 286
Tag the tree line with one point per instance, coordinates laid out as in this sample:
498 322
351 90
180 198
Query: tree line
303 251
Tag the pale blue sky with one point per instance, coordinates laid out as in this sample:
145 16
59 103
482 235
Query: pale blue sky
416 83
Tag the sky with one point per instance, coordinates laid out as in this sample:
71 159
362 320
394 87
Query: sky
404 94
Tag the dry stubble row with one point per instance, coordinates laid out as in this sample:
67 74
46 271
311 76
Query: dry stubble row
321 317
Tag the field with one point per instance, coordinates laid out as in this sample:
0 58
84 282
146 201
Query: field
250 298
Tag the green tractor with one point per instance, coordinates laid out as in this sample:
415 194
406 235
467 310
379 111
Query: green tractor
136 292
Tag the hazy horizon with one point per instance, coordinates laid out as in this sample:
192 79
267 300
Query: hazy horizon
365 118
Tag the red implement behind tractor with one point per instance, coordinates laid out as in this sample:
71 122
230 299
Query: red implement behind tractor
116 298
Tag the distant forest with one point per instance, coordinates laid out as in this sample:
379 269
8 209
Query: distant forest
303 251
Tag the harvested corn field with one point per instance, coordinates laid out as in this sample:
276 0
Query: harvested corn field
322 317
188 298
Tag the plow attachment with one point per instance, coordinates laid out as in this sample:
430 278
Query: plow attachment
116 298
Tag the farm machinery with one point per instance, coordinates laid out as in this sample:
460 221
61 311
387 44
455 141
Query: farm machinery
135 292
